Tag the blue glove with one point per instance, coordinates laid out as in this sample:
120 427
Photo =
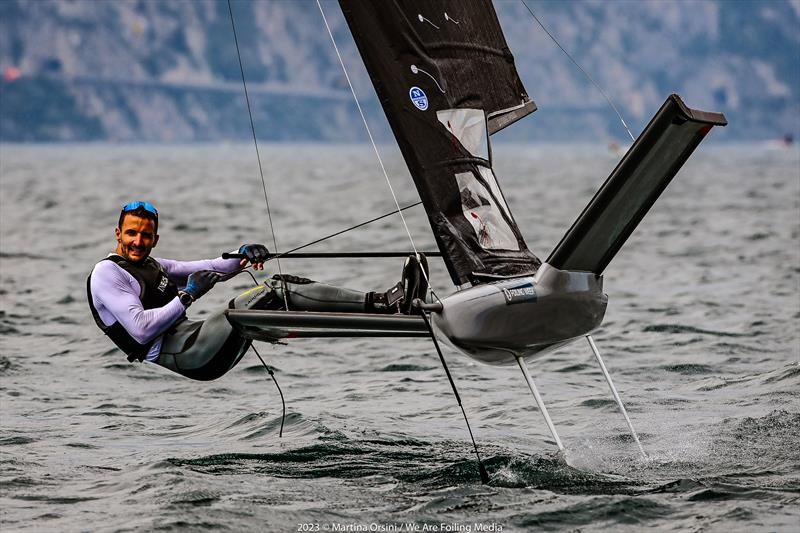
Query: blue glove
254 253
200 282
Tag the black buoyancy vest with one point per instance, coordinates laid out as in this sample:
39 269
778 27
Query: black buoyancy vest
156 291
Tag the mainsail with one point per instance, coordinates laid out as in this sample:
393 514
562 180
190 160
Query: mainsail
446 80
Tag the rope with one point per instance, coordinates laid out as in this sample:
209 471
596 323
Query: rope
255 142
608 99
272 375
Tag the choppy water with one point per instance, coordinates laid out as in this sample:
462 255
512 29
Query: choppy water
701 335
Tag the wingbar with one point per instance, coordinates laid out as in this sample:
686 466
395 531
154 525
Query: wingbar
633 187
274 325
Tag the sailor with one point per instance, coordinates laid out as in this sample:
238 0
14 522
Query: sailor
140 302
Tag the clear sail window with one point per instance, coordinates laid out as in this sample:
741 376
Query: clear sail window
484 215
488 176
469 127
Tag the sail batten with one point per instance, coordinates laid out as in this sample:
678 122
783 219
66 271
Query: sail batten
445 88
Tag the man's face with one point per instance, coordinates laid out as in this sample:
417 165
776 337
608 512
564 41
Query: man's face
136 238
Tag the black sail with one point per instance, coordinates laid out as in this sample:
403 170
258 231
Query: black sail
446 80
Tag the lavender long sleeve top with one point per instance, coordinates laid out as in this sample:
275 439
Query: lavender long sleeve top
115 295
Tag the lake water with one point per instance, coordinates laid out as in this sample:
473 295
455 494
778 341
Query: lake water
701 336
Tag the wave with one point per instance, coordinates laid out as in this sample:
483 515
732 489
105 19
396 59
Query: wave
790 372
688 368
7 365
679 328
597 511
435 465
721 488
399 367
16 440
23 255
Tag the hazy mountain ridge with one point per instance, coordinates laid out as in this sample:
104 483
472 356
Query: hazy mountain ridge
168 71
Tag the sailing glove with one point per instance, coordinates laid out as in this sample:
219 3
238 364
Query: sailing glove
200 282
254 253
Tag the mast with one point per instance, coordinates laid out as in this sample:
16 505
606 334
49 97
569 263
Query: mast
446 80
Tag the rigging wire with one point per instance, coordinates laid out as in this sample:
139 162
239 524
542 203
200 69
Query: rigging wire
255 142
370 221
374 147
369 133
608 99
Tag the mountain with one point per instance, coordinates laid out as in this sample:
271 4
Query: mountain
167 71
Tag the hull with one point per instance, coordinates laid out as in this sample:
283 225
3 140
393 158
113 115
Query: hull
496 322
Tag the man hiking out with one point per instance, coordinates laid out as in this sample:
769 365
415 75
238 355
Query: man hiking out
140 302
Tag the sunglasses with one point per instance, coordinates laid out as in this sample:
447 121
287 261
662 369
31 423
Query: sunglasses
133 206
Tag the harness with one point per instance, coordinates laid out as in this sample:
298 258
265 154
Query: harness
156 291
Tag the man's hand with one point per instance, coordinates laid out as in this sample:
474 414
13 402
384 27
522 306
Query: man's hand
256 254
200 282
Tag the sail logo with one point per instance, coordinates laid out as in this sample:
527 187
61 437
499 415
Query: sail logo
418 98
519 294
